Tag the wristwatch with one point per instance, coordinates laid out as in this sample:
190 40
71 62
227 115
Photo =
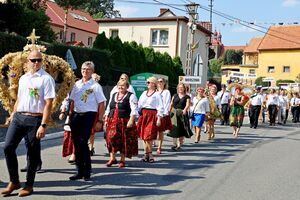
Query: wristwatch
44 125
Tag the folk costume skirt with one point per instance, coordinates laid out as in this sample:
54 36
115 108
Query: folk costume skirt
120 138
147 129
166 124
237 116
181 125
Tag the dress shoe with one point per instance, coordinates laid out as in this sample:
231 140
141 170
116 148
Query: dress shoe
26 191
76 177
10 188
38 168
86 177
92 151
121 164
111 162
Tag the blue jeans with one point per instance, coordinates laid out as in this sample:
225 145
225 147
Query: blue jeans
23 126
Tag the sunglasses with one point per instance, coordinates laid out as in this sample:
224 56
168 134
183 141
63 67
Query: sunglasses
34 60
148 82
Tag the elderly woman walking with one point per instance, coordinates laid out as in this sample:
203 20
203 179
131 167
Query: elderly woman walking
150 106
121 134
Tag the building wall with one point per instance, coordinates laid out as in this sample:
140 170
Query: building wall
251 58
141 33
278 59
79 35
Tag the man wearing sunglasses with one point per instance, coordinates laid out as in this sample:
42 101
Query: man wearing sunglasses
30 116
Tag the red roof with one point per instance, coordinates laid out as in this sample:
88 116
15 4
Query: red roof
281 37
252 47
76 18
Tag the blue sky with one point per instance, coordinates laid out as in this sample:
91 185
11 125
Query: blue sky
262 13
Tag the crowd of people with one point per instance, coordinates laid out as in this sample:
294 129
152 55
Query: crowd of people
125 118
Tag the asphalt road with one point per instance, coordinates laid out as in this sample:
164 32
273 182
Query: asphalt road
262 164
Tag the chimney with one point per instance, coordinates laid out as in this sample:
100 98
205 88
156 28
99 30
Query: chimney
162 10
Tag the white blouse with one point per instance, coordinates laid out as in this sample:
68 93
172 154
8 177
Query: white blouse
202 106
151 102
166 98
132 101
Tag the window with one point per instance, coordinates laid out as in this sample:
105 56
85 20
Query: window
159 37
251 71
114 33
286 69
271 69
73 37
61 35
90 41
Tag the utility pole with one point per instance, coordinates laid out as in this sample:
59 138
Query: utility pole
193 17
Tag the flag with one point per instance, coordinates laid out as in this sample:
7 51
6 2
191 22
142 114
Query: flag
70 59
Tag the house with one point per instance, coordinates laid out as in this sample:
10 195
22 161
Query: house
279 53
165 33
81 26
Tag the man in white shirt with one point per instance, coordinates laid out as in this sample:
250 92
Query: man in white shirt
256 101
30 116
295 107
225 109
87 100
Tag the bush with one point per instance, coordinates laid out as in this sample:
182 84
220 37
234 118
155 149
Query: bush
284 81
11 43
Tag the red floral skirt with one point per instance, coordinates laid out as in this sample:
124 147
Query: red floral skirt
68 145
120 138
166 124
146 127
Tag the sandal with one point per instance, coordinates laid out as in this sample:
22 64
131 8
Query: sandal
111 162
145 158
150 158
158 151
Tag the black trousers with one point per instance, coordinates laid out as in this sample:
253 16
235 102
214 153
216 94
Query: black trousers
225 110
81 127
272 109
295 112
23 126
254 115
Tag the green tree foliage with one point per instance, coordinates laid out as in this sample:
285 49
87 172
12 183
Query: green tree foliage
133 58
30 4
284 81
259 81
233 57
215 65
101 42
101 8
21 20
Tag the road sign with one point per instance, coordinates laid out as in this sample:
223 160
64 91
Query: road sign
190 79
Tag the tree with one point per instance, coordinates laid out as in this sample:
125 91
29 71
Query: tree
259 81
233 57
101 8
30 4
284 81
20 19
66 5
101 41
215 65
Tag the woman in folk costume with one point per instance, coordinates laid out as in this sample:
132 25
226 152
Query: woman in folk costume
166 124
121 134
150 106
237 103
180 105
200 109
214 105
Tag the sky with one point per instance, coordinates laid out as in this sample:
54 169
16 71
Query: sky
257 14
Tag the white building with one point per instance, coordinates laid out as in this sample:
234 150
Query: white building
165 33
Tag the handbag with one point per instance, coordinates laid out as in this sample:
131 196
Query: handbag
191 115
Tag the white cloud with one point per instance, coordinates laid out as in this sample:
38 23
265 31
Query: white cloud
290 3
127 11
